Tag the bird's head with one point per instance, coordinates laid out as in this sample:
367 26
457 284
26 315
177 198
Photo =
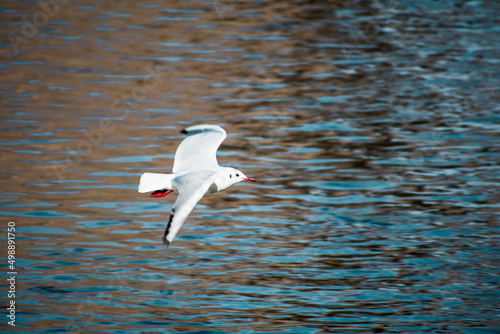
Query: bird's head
232 176
237 176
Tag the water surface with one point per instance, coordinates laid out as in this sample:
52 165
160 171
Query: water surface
372 128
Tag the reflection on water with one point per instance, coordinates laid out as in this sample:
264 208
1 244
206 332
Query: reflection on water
372 128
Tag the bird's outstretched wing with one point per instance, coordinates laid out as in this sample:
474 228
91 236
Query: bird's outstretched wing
192 186
198 150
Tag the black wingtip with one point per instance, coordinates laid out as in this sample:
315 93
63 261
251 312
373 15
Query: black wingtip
184 131
167 228
166 243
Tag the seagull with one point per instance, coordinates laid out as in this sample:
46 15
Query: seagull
195 173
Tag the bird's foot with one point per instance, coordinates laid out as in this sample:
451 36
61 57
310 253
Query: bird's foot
160 193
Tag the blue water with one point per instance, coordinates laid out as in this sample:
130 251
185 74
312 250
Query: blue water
372 128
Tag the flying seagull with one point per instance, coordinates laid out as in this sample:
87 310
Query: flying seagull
195 173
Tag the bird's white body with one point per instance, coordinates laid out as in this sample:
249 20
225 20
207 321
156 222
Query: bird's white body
195 173
222 179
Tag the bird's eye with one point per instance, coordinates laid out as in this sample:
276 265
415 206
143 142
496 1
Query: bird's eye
237 175
230 176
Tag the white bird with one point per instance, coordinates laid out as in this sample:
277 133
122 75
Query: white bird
195 173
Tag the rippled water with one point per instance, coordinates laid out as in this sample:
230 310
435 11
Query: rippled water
372 127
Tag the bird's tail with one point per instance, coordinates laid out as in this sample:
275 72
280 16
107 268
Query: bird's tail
155 181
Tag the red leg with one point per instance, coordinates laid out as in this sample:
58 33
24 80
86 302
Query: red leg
160 193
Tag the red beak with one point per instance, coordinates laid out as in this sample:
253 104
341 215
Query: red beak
250 179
